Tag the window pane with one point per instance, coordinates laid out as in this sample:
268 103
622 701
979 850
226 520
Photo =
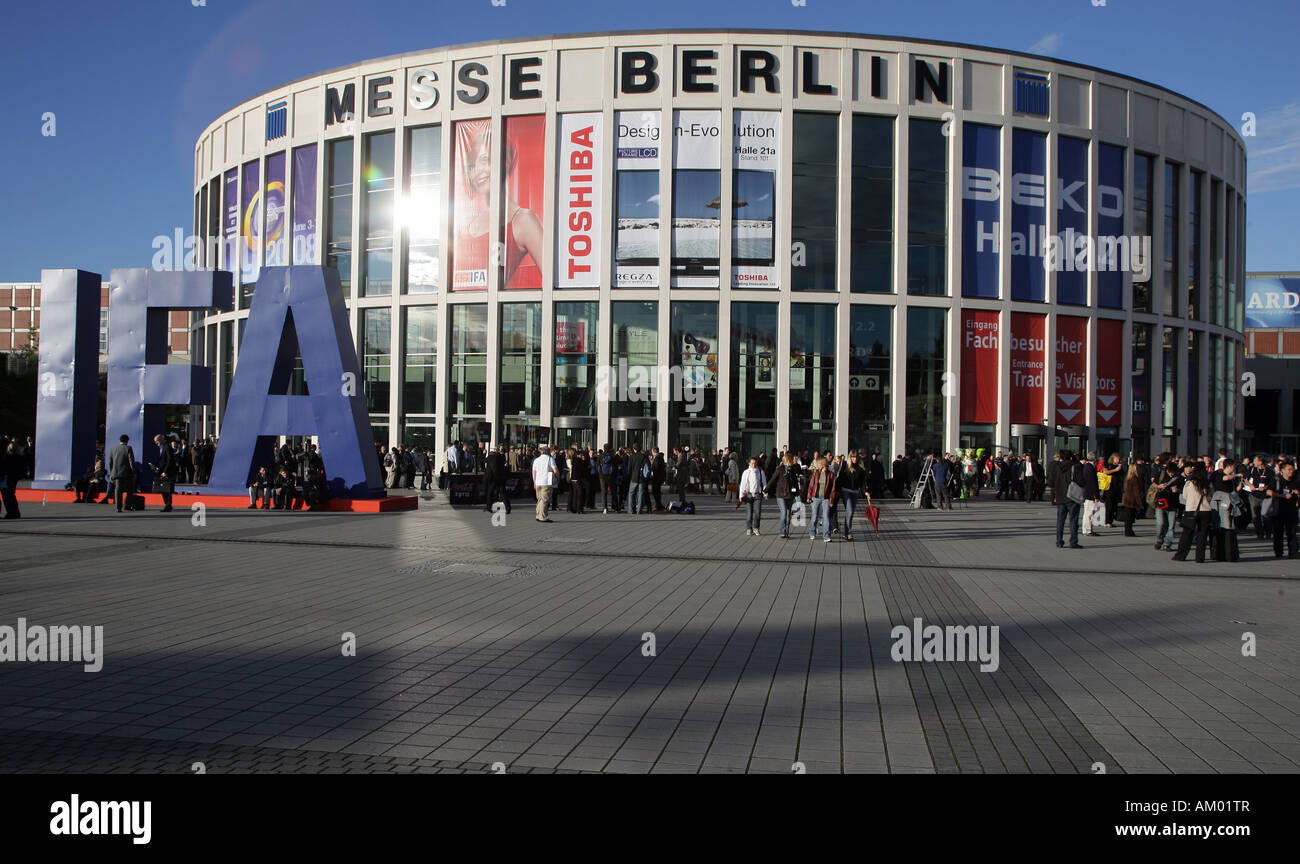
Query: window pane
813 214
927 208
378 180
338 214
421 212
871 228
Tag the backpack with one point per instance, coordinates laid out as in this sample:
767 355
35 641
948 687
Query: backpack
645 468
606 465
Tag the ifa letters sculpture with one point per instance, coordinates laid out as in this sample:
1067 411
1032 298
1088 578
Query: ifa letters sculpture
295 310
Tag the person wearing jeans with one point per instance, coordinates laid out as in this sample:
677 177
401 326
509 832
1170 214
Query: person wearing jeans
783 485
1065 471
751 493
1167 519
853 484
821 491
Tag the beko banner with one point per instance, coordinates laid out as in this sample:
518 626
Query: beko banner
636 209
578 176
981 156
756 137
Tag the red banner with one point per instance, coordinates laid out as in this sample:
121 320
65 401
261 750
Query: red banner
523 173
1071 367
979 366
1028 367
1110 371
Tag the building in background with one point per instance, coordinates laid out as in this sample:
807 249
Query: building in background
20 317
1273 354
749 237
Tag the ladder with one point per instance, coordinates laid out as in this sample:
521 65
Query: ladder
927 474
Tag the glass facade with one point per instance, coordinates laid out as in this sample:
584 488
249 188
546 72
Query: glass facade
521 366
927 358
927 208
338 211
870 353
467 388
801 204
693 350
422 209
812 218
575 359
420 369
871 227
634 358
753 376
1169 289
378 183
376 357
812 376
1143 193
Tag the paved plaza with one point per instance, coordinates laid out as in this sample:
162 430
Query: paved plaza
526 645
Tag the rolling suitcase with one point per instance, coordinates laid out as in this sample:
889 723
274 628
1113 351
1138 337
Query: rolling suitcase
133 502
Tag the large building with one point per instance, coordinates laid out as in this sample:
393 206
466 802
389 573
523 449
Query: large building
928 245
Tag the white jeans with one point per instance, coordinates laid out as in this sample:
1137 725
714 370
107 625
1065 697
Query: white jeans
1088 507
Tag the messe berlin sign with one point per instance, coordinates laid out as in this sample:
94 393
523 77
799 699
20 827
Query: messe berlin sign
296 311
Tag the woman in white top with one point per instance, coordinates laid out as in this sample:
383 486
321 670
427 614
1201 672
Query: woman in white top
751 494
1196 518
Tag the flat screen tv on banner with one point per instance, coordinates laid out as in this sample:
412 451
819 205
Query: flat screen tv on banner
636 209
697 198
755 159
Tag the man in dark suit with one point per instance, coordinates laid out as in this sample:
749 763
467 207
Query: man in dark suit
495 474
1030 474
121 470
636 465
658 471
167 467
876 476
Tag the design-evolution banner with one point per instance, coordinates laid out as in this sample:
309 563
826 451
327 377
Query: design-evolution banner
1110 370
1028 367
1071 369
636 208
578 185
979 366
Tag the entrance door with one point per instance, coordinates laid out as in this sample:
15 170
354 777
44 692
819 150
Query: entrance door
1035 444
628 437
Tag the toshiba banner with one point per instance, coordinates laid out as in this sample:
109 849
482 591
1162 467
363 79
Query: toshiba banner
979 366
1071 367
755 158
578 175
1028 367
1110 368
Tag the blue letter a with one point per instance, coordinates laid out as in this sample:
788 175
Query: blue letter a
312 297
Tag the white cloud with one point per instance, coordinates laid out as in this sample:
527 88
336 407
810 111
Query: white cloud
1049 44
1273 152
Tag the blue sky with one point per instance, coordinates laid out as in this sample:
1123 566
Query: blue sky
132 83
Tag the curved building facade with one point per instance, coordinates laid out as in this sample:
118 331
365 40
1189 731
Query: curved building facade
928 244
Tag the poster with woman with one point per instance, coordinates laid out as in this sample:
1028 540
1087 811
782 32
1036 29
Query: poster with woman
523 175
470 213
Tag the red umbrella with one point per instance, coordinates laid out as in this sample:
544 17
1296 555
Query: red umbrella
873 516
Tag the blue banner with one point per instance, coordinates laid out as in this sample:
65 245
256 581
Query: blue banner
980 194
1028 215
1272 302
1110 224
1072 221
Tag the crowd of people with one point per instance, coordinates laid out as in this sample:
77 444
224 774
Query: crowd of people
824 487
1205 503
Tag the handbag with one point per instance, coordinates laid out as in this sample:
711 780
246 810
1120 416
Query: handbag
1103 481
1074 492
